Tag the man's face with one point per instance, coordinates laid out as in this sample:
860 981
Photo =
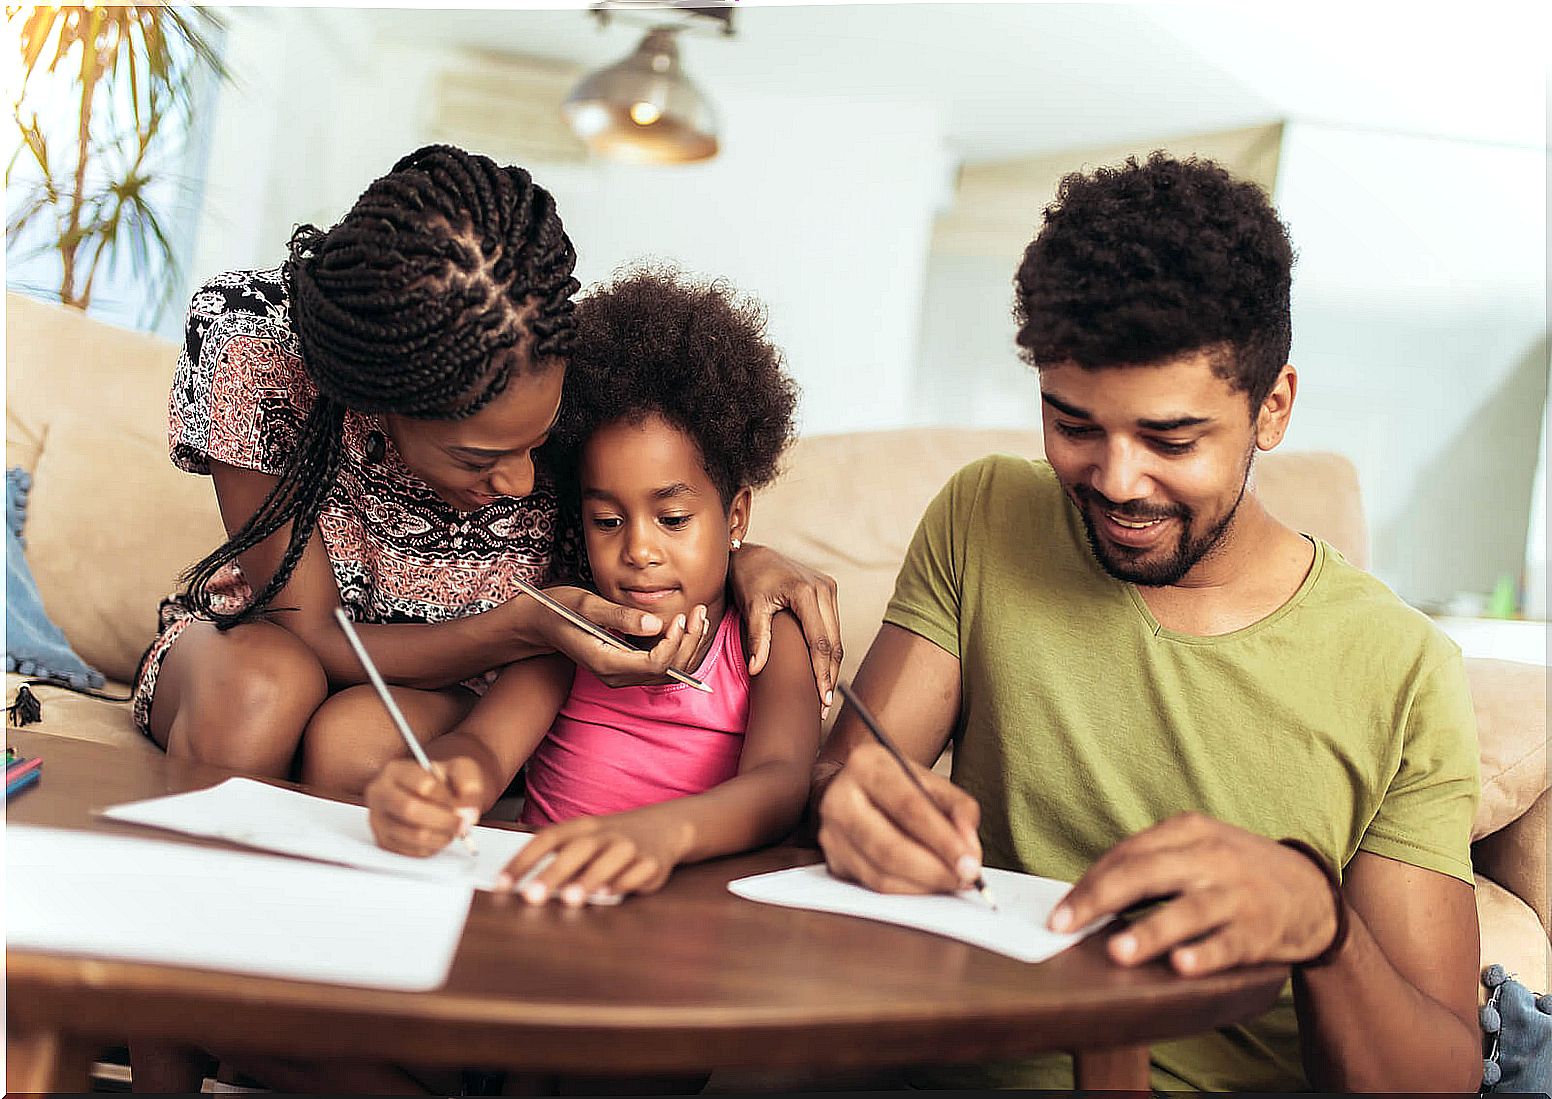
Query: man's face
1156 458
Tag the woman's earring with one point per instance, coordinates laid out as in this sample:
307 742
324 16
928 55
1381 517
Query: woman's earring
736 544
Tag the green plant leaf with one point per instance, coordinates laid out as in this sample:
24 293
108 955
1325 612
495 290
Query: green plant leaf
134 68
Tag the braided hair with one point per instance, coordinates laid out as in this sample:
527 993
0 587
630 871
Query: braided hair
406 307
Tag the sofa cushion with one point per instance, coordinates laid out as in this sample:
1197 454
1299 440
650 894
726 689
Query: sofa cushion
67 714
58 360
1512 936
111 524
1516 855
1511 707
849 504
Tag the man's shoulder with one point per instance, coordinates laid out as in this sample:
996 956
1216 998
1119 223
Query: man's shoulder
998 476
997 501
1382 617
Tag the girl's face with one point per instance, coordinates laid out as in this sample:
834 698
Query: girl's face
473 461
658 537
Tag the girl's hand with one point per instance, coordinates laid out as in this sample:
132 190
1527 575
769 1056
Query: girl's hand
413 812
596 859
679 639
765 582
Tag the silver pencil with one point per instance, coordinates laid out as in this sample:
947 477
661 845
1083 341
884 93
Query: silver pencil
391 706
598 632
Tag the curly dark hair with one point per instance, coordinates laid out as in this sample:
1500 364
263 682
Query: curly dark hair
1143 262
442 265
695 352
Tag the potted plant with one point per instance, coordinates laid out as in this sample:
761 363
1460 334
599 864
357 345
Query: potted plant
106 97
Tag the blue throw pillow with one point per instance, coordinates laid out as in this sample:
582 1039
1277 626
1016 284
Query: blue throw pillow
1518 1024
33 645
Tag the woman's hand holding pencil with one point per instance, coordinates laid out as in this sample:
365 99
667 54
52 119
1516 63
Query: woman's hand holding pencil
577 623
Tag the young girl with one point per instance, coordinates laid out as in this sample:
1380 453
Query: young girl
626 782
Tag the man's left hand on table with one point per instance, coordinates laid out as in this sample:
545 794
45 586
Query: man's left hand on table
1234 898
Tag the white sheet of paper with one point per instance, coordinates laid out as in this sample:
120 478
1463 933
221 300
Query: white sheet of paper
174 903
272 818
1016 928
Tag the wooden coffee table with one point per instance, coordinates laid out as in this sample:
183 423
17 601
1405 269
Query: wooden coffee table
689 979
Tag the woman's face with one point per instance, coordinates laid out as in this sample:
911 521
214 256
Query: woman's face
471 462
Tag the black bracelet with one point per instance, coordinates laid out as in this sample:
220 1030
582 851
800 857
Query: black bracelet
1339 939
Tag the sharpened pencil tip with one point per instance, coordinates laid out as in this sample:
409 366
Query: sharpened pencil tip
688 680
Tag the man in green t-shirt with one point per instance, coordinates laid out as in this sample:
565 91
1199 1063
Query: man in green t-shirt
1156 689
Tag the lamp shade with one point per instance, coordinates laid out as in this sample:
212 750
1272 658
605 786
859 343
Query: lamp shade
644 109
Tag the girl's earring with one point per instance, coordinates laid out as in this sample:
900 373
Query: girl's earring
736 544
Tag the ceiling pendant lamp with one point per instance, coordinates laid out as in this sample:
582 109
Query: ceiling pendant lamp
644 109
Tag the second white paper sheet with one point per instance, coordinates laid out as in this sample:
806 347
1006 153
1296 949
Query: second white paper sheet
272 818
1016 928
156 900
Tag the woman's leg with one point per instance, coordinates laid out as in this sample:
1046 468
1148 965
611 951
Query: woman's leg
351 736
238 698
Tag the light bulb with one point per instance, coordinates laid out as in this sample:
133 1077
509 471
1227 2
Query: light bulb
644 114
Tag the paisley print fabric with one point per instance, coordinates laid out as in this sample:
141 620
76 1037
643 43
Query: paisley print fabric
399 553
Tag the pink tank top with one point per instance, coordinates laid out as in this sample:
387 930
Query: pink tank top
618 748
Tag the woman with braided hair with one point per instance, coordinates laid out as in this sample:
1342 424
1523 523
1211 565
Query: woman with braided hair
369 413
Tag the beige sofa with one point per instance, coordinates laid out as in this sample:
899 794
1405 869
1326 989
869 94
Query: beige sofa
111 523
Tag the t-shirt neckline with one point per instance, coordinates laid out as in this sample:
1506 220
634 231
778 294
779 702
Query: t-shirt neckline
1162 632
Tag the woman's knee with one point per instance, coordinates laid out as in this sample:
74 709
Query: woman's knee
282 678
351 737
348 740
242 698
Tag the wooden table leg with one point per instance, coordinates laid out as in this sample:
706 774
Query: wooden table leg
47 1061
1120 1068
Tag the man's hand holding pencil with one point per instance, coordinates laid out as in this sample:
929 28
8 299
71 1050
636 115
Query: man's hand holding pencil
877 829
896 826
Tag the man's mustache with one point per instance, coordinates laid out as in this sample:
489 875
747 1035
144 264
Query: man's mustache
1131 512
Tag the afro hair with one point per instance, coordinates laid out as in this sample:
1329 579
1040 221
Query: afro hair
654 341
1141 263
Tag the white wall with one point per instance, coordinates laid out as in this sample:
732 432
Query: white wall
1419 321
274 135
821 208
967 369
1419 332
1419 293
1536 543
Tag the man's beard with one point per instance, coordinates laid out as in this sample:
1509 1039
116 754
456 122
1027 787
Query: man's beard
1130 566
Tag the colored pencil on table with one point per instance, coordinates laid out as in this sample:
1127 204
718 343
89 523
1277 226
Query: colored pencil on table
21 773
390 705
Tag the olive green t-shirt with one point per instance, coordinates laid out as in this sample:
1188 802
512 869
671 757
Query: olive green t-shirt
1342 719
